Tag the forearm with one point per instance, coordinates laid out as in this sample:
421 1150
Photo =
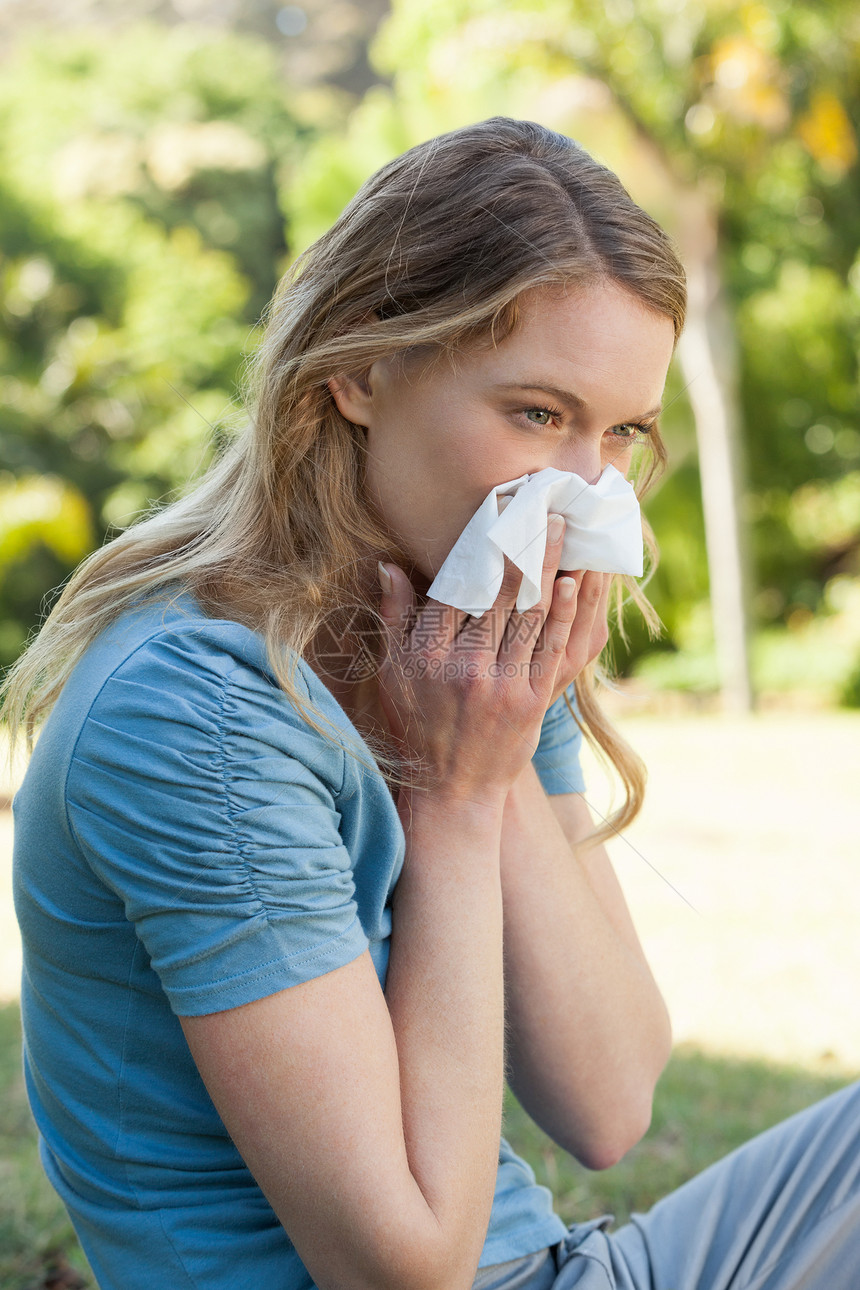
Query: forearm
445 995
588 1031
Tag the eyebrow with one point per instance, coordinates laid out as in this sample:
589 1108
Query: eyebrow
566 396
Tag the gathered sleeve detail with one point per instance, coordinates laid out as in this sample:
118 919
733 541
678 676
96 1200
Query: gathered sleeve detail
204 801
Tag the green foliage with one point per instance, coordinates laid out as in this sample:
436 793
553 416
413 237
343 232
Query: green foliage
850 693
142 237
334 166
42 509
146 175
815 655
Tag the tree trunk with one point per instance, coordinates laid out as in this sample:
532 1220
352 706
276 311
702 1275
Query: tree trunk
708 361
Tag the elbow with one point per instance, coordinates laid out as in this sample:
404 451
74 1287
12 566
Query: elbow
608 1136
424 1256
604 1149
600 1118
629 1112
599 1135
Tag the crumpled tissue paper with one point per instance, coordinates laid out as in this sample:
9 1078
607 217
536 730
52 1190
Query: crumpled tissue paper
603 532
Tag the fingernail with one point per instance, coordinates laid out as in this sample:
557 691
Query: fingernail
566 589
555 528
385 579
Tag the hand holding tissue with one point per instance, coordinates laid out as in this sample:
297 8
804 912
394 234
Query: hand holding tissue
603 532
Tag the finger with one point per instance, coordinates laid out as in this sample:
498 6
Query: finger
435 624
487 631
592 598
589 632
550 649
397 599
524 628
600 629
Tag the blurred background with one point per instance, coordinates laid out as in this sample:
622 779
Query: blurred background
161 164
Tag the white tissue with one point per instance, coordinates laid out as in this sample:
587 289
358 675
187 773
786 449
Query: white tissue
603 532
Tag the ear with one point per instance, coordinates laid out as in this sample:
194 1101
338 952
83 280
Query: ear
353 397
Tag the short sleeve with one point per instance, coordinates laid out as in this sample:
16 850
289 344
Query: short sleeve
202 799
556 758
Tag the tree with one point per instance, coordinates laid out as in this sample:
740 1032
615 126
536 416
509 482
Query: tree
732 123
141 239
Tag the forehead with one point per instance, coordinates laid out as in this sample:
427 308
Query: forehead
599 345
595 340
594 329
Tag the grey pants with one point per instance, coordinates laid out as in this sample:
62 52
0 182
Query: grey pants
780 1213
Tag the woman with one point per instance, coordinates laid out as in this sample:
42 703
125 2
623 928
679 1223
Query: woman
300 855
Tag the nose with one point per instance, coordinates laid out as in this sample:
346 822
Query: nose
582 457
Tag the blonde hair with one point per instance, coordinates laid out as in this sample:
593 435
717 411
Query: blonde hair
433 252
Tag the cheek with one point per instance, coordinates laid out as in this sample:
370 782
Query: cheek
618 454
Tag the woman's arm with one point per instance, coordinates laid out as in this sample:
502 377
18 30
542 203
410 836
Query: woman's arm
374 1130
588 1032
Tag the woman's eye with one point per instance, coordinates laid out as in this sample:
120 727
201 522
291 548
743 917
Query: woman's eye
629 430
539 416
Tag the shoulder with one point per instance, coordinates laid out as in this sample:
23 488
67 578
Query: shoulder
176 640
167 676
173 653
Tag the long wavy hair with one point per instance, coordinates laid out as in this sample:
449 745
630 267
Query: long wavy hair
433 252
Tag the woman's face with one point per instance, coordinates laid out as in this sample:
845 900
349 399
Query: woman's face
579 379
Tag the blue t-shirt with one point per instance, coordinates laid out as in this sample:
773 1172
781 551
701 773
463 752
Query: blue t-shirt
185 843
